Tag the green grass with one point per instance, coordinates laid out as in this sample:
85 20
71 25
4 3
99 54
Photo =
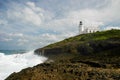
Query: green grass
103 35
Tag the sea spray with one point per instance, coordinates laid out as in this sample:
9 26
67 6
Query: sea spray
16 62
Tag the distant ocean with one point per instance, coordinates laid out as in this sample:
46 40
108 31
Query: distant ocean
9 52
16 60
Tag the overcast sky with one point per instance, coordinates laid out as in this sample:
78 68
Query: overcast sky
30 24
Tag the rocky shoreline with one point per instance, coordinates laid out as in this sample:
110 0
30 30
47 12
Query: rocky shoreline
69 69
93 56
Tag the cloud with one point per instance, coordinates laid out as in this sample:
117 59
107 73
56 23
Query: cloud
112 27
29 13
15 35
3 22
88 16
42 40
7 39
22 41
109 13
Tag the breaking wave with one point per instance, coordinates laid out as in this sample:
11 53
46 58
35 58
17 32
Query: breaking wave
16 62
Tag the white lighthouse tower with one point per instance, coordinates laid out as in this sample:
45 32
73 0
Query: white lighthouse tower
81 29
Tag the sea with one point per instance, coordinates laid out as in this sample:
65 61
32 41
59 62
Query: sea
16 60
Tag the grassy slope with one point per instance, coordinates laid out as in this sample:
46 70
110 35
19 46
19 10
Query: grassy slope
87 37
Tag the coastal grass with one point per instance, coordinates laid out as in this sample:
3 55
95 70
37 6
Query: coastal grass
97 36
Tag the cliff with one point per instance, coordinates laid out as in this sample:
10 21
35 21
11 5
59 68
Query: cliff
93 56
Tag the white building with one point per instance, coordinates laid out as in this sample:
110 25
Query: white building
88 29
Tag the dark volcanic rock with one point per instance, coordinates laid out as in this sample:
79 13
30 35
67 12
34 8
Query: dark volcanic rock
49 51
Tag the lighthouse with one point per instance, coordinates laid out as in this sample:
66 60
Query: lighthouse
89 29
81 29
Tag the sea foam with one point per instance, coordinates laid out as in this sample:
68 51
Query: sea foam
16 62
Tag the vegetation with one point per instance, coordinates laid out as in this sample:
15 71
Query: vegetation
103 35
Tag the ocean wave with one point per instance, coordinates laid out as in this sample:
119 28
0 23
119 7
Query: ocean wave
16 62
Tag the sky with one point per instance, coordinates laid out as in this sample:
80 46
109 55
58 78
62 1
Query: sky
31 24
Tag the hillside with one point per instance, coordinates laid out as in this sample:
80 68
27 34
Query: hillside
85 44
93 56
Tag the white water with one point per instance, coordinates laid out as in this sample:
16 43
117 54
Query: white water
16 62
